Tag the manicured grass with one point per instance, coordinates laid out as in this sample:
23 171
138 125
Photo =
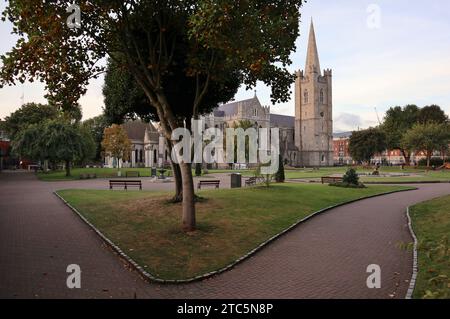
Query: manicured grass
431 222
418 176
230 222
308 173
100 172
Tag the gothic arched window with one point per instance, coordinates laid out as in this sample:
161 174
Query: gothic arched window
305 96
321 96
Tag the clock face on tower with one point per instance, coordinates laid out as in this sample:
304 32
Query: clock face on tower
322 114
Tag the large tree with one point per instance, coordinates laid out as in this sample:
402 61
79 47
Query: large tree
365 144
116 144
432 114
125 100
397 122
428 138
202 39
55 141
26 115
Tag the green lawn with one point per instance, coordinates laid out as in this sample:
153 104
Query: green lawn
431 221
101 173
419 176
307 173
230 222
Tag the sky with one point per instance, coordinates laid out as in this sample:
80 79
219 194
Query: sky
383 53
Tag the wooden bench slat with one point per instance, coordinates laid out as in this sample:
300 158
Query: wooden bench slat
125 184
209 183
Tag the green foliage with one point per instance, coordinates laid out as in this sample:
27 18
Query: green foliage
351 177
428 137
26 115
55 140
96 126
280 176
432 114
397 121
124 99
434 161
365 144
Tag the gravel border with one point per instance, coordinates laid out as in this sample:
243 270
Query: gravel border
149 277
412 283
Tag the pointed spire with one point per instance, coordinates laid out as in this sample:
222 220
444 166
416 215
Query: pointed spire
312 58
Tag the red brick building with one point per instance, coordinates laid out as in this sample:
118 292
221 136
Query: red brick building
340 147
342 155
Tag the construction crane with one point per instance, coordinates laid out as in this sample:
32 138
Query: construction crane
378 117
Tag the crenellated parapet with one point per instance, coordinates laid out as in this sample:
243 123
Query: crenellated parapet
328 73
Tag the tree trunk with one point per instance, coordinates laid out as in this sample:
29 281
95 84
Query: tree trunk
189 222
429 159
407 156
178 198
67 168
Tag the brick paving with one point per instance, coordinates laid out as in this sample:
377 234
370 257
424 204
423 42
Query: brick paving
324 258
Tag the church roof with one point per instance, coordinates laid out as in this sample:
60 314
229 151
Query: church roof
231 109
136 129
283 121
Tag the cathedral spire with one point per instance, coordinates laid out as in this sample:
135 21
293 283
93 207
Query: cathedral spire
312 59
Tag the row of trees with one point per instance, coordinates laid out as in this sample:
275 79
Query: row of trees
407 129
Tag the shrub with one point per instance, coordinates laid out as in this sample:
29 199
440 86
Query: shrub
351 177
435 161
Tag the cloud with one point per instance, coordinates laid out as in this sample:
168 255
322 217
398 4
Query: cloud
347 122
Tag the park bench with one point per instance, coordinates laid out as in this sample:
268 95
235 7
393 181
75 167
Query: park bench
331 180
215 183
251 181
133 174
88 176
125 184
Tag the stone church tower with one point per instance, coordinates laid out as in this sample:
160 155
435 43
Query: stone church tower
313 110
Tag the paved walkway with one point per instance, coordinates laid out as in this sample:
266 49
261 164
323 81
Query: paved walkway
324 258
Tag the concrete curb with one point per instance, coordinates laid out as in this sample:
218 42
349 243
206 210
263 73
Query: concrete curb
412 283
154 279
